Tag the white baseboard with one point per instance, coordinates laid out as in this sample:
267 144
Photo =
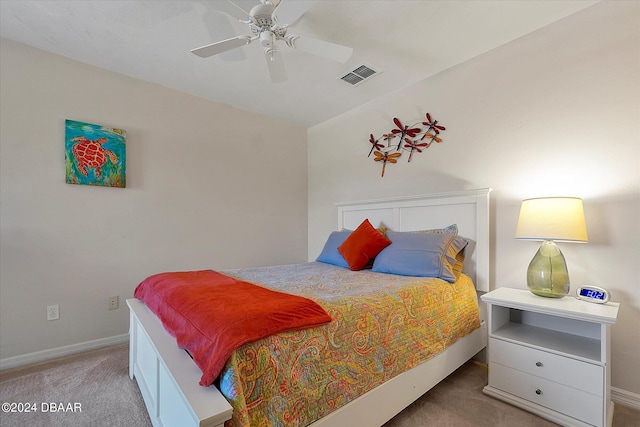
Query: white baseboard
625 398
44 355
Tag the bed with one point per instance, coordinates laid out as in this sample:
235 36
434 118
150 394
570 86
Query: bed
169 379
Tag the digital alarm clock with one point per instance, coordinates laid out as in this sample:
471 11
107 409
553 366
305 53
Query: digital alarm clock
593 294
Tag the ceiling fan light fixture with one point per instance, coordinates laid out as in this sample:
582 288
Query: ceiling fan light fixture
266 39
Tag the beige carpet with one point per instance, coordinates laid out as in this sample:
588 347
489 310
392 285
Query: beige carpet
98 384
97 380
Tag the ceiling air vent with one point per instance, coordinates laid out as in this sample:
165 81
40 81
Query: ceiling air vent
359 75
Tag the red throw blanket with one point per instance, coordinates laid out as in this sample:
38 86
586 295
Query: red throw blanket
211 314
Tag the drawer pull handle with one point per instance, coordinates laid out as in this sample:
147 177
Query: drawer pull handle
539 364
538 392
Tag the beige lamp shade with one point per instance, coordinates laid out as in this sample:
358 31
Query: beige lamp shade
552 218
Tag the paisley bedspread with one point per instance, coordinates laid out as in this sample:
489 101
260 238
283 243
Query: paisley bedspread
382 325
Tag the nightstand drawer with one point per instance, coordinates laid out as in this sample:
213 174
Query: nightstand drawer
559 369
574 403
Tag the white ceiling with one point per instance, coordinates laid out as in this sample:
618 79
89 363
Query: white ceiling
151 40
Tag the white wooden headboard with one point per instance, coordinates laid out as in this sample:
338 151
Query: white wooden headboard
468 209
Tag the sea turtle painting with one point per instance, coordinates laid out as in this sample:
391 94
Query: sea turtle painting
95 154
90 154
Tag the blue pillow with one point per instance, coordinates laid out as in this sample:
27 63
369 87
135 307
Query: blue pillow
421 254
330 254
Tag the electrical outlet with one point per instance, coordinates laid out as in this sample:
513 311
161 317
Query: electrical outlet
53 312
113 302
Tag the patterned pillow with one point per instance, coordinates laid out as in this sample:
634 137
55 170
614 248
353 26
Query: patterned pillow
362 245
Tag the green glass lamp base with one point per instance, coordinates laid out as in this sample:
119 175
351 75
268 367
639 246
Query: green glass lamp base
547 275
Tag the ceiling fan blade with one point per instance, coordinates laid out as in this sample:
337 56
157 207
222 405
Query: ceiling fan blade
219 28
275 64
223 46
324 49
289 12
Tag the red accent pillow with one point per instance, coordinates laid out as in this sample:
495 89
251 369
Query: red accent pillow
362 245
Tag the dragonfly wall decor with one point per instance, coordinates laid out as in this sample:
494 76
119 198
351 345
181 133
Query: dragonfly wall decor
413 138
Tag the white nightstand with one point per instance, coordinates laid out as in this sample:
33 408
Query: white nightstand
551 356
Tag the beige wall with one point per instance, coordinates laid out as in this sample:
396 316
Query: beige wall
207 187
556 112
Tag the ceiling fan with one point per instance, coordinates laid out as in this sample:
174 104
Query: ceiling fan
265 26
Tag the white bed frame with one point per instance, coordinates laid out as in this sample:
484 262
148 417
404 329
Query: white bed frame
168 378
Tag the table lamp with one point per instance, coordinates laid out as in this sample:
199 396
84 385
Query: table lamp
550 219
